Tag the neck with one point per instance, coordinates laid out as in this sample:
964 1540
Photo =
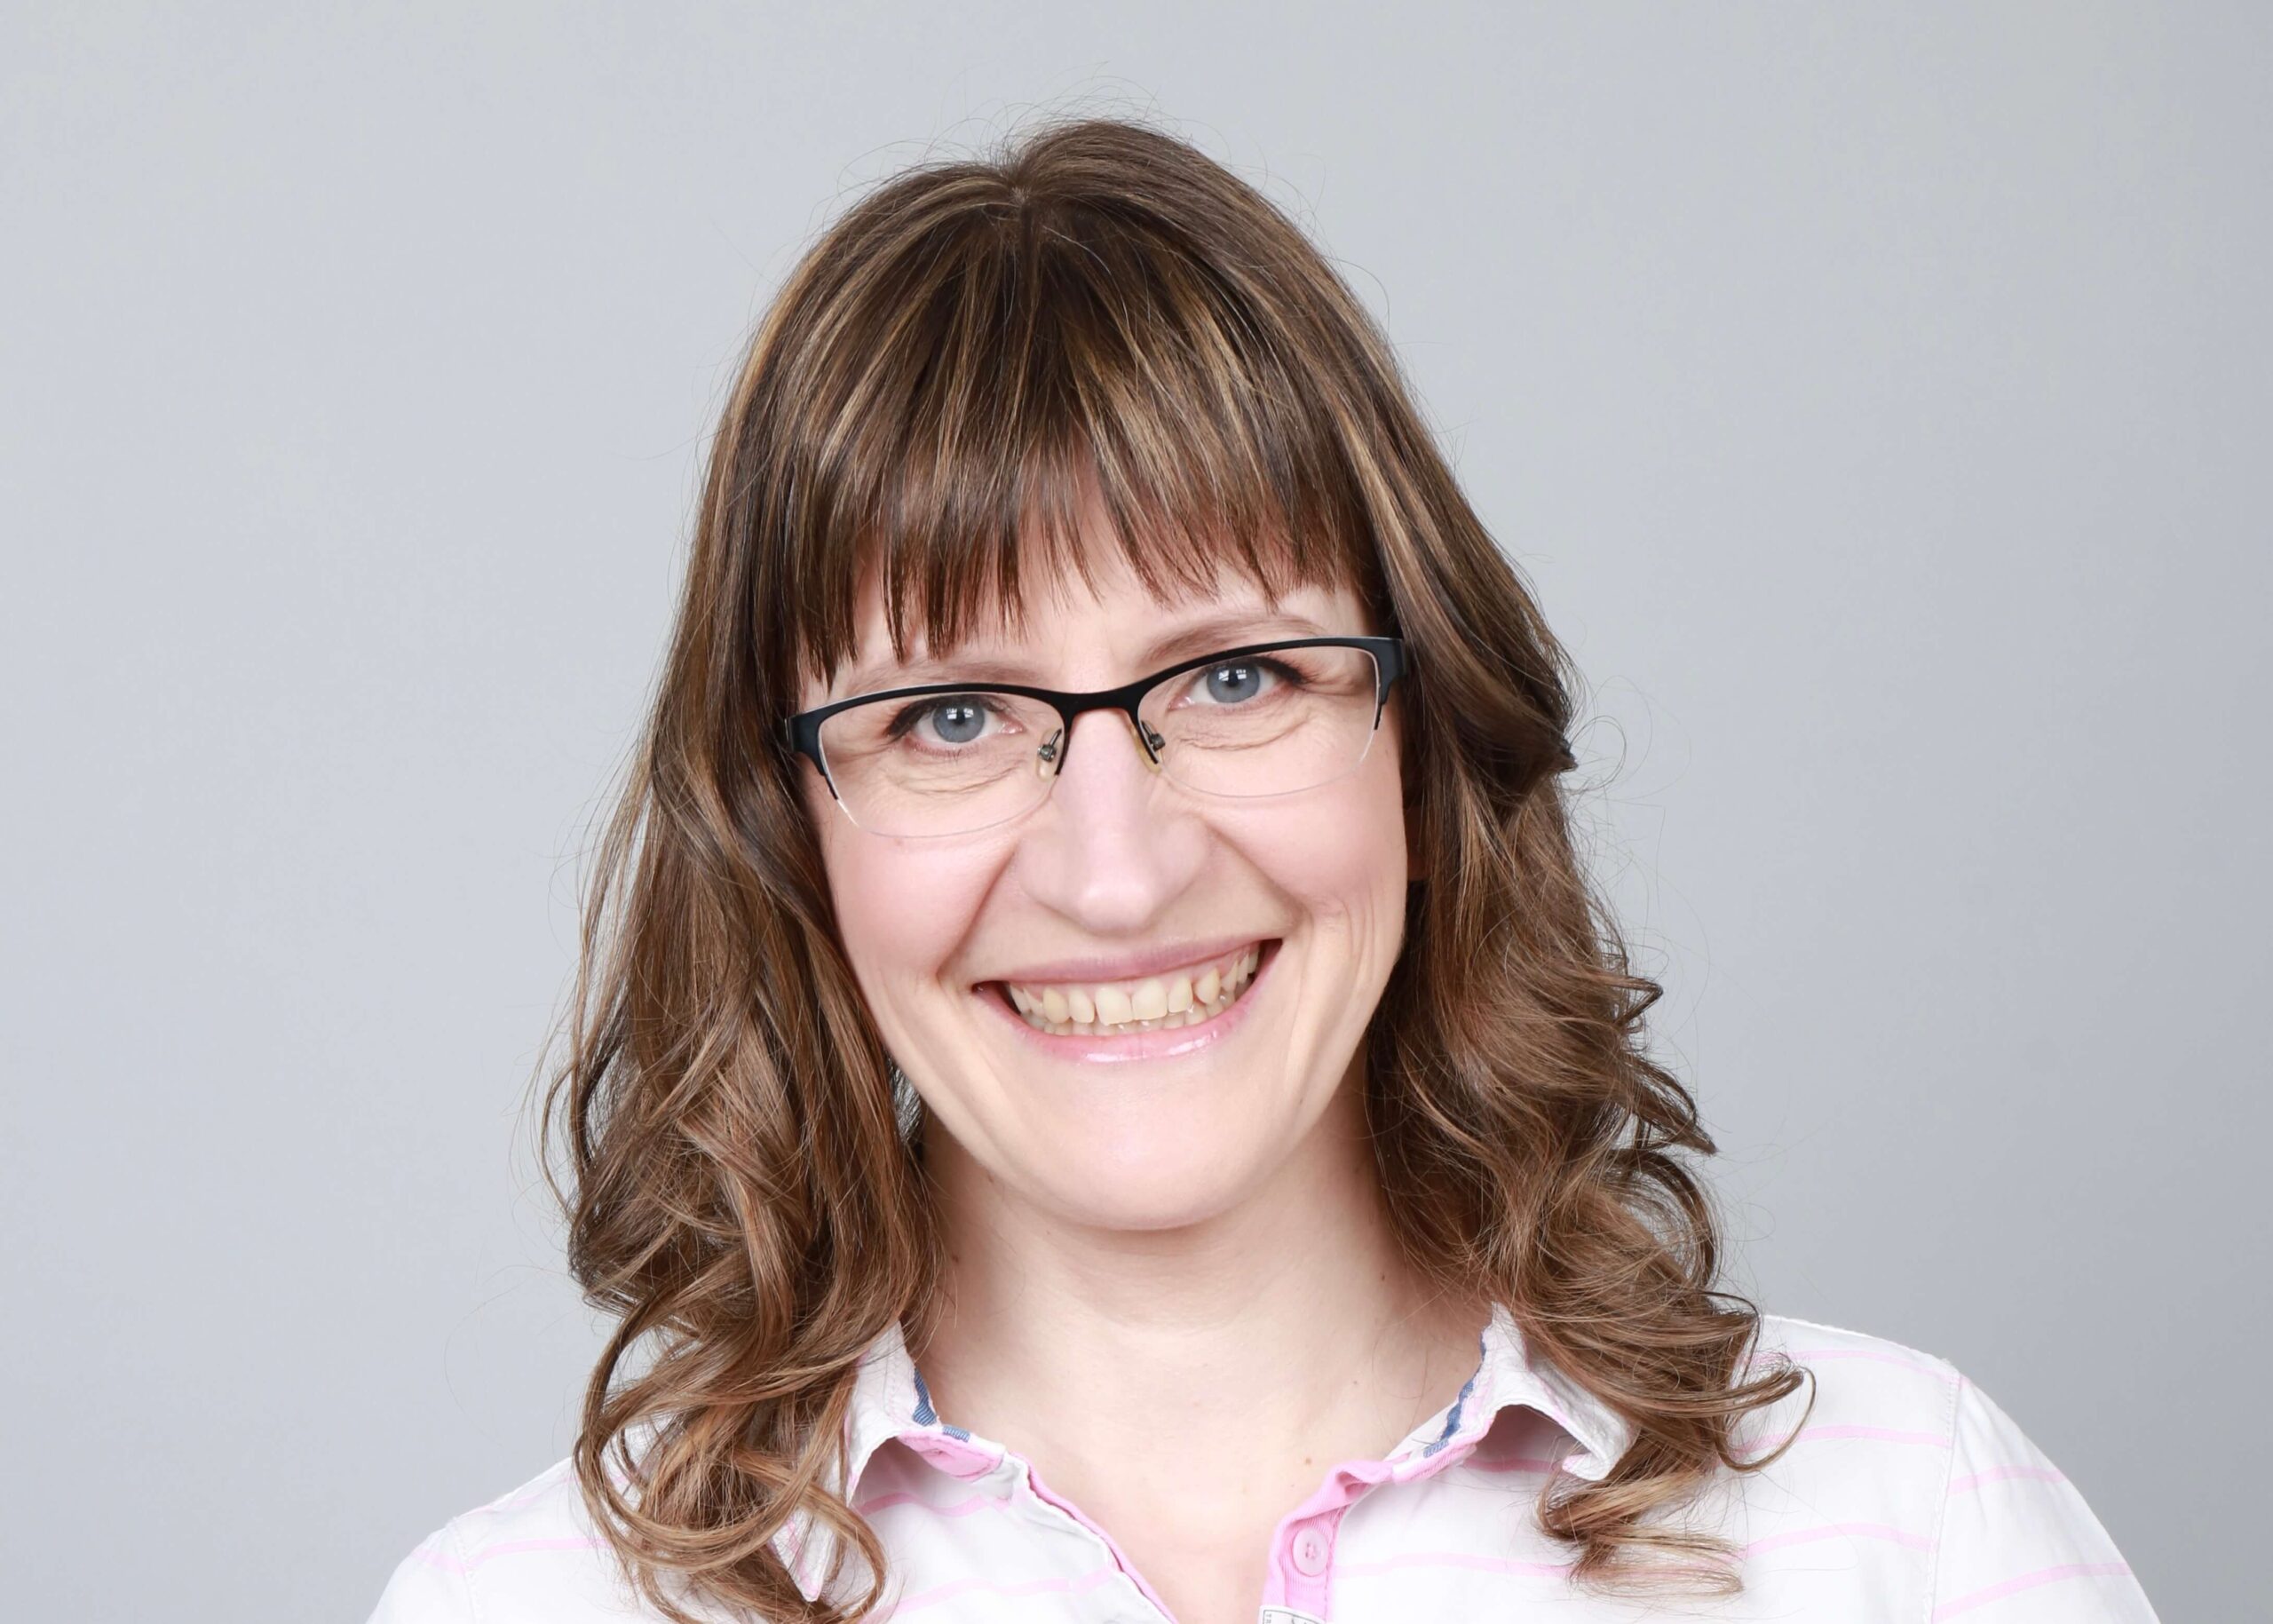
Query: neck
1287 1329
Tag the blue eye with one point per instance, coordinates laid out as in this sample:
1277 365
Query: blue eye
1233 683
1236 681
957 719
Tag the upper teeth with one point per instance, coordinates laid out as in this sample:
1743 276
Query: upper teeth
1180 1000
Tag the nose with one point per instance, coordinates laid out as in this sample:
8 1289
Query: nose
1110 849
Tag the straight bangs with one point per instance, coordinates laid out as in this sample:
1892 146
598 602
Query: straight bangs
1002 389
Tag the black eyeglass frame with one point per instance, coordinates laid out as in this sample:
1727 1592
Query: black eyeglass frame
801 732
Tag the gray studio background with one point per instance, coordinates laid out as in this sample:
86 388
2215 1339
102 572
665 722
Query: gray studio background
1877 397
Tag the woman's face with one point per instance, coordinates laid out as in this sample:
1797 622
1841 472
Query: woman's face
1121 876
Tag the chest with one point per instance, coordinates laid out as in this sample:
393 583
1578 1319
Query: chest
993 1543
1205 1573
1194 1549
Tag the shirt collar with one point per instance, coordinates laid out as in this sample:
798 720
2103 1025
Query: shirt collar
891 1401
1509 1375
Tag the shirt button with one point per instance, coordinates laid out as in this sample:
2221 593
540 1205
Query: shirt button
1309 1551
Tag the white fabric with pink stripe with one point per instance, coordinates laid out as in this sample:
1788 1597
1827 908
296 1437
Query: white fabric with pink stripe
1907 1496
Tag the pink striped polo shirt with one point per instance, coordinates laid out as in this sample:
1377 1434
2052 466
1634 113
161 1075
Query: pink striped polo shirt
1907 1496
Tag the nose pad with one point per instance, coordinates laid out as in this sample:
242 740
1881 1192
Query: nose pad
1049 756
1151 744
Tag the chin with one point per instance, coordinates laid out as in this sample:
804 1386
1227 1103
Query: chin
1169 1188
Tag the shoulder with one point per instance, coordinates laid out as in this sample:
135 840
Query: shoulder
1854 1379
1871 1417
1867 1388
531 1553
1886 1436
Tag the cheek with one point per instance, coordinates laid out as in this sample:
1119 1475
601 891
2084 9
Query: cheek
1342 856
901 910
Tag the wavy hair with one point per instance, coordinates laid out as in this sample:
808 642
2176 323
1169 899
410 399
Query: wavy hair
972 352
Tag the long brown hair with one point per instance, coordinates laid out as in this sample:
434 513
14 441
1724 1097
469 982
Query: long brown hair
973 350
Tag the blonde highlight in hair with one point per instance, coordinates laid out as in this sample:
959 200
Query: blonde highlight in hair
1100 318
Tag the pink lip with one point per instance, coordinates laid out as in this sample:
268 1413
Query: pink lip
1161 1044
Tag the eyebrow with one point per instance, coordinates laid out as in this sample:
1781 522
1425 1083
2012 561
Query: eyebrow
1218 631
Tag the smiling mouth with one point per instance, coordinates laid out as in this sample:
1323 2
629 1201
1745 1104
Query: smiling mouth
1191 997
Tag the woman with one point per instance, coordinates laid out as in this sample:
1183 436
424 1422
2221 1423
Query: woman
1100 1090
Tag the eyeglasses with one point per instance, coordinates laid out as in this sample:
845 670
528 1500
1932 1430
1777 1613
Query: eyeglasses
952 758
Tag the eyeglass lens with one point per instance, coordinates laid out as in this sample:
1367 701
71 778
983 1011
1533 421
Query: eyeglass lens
1267 724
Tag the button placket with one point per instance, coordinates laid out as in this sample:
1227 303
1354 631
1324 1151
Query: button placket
1306 1563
